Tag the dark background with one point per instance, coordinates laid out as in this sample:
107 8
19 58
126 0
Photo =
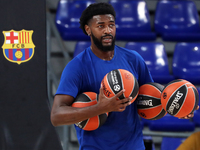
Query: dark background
24 107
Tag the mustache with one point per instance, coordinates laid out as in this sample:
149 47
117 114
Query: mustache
107 36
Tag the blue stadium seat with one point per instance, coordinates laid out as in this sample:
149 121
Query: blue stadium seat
145 122
196 118
132 21
186 62
81 46
156 59
67 19
171 143
177 20
171 123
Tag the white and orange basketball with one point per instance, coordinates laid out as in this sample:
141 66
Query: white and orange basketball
179 98
116 80
149 101
88 99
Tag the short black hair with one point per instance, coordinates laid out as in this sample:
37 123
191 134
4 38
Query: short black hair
94 9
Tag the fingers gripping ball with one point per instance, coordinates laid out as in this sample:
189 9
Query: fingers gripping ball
149 101
88 99
116 80
179 98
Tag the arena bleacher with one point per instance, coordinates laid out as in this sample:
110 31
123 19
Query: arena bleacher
169 30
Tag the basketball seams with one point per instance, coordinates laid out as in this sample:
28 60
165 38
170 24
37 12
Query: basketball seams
151 107
99 122
87 121
122 83
172 96
171 83
182 100
160 115
87 96
195 105
177 114
159 112
80 102
156 86
84 100
149 96
181 105
119 79
196 97
102 118
109 85
155 118
84 103
151 110
133 87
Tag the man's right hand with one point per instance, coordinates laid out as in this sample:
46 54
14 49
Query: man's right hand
113 103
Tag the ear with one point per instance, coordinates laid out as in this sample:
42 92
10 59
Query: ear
87 29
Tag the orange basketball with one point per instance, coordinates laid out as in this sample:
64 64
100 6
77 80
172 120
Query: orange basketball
179 98
116 80
149 101
88 99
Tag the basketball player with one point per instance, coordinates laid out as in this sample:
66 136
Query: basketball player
122 129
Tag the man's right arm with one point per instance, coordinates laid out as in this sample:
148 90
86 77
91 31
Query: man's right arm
63 113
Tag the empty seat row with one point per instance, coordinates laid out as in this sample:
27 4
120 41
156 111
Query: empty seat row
185 63
173 21
171 143
170 123
155 56
174 125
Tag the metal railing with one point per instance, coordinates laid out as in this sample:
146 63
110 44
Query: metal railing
52 79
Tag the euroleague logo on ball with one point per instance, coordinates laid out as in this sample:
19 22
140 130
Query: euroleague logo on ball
115 81
117 87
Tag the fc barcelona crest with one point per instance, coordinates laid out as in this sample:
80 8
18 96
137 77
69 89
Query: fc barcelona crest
18 46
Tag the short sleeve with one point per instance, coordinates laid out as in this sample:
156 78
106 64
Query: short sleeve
71 78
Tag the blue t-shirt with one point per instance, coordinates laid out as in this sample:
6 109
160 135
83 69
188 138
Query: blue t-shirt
122 130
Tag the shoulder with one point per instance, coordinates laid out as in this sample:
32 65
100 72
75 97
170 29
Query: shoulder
81 58
78 63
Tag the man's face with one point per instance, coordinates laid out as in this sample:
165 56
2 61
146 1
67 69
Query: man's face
103 32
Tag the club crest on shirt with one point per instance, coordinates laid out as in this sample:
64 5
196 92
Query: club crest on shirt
18 46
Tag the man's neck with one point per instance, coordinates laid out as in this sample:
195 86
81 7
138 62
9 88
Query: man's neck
101 54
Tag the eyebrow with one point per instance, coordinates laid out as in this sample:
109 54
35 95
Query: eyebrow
104 22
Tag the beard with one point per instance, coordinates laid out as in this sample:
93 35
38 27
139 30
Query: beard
99 44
